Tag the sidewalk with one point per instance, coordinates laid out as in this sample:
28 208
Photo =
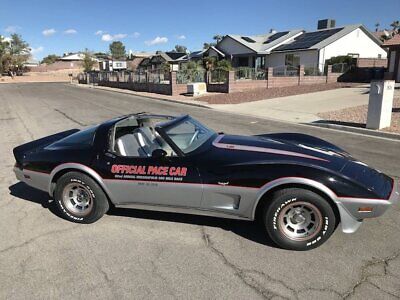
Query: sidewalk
187 100
301 108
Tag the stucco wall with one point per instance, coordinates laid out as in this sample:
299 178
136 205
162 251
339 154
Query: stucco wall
309 57
230 46
356 42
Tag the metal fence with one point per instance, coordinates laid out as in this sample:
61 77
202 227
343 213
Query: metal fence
218 76
244 73
139 76
340 68
185 76
314 70
159 76
285 71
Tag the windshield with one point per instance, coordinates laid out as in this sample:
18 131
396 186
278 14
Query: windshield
188 134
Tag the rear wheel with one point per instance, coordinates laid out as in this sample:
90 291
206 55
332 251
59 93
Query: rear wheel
299 219
79 198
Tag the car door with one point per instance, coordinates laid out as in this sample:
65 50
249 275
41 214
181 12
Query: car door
166 181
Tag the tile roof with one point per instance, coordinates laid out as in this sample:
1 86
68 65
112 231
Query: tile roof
394 41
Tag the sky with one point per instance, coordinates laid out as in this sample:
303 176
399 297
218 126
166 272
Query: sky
58 26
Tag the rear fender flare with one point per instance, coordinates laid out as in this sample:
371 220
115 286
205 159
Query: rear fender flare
80 168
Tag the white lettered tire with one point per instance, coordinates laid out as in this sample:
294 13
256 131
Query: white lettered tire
79 198
299 219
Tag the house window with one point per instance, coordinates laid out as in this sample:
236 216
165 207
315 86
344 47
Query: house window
243 62
379 56
292 60
260 62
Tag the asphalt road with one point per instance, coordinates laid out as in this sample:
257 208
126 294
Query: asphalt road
137 254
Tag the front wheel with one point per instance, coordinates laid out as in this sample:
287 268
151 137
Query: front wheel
299 219
79 198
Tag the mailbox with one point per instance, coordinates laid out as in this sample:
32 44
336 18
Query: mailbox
380 104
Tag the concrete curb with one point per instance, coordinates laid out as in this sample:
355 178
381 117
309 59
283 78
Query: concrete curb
129 92
364 131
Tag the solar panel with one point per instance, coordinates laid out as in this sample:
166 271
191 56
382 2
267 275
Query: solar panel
275 36
308 40
247 39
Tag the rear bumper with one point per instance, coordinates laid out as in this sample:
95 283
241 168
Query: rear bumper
32 178
354 210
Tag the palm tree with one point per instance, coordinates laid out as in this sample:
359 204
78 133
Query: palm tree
377 26
217 38
396 27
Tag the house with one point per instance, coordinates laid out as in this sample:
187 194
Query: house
31 63
315 47
72 57
212 51
298 47
251 50
135 58
155 62
113 65
70 61
393 46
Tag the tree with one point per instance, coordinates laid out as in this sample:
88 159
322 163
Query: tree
217 38
117 50
180 48
50 59
88 61
209 62
377 26
13 53
395 26
19 51
223 64
208 45
3 48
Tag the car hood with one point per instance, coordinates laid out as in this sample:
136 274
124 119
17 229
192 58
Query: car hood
290 147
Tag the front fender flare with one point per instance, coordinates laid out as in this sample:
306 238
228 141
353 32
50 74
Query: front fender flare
348 222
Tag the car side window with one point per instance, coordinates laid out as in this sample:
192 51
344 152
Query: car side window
133 139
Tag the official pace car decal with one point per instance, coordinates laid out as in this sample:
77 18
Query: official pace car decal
161 173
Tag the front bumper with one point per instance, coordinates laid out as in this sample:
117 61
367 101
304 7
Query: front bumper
354 210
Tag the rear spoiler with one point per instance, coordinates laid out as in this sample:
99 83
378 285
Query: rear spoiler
22 150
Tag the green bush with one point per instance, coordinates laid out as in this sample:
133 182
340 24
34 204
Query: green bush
343 59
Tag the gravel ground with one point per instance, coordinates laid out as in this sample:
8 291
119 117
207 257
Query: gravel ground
357 116
262 94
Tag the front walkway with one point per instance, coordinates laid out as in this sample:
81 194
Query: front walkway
301 108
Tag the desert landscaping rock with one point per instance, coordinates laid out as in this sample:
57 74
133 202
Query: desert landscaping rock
357 116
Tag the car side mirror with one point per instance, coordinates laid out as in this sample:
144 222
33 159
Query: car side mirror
159 153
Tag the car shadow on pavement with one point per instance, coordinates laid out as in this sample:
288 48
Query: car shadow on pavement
25 192
253 231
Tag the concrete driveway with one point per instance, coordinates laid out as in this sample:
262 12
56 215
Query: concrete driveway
132 254
303 108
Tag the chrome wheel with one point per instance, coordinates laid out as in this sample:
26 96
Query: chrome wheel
300 221
77 199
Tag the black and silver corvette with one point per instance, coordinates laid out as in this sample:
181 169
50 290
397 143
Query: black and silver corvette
299 185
